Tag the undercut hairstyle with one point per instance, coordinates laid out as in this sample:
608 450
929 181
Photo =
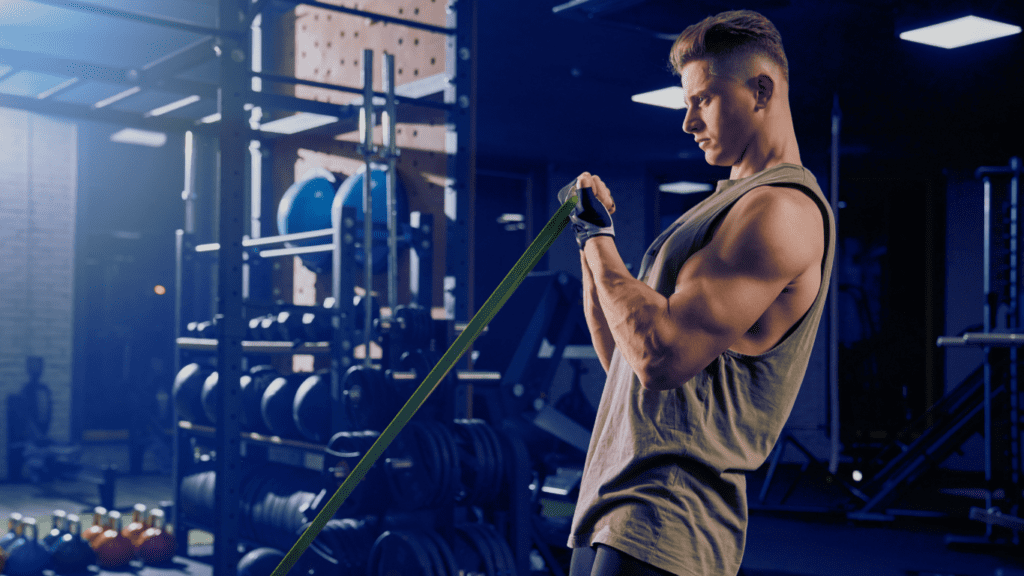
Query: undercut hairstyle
733 33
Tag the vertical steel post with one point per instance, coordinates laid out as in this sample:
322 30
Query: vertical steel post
1015 452
234 137
987 350
460 145
388 128
366 125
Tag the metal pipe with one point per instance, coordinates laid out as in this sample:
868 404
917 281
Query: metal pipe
404 101
986 290
140 17
1015 451
366 124
388 125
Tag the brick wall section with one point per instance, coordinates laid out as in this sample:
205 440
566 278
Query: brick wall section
38 190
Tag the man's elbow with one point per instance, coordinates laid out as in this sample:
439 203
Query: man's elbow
663 379
667 376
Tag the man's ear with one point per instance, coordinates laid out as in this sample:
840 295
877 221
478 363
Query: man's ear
765 89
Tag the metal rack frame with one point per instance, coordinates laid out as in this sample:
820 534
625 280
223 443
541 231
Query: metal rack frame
230 41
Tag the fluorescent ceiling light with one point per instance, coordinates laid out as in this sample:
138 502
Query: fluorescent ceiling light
668 97
684 187
298 123
960 32
118 96
173 106
140 137
46 94
215 117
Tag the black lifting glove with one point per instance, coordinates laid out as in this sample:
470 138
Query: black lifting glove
589 218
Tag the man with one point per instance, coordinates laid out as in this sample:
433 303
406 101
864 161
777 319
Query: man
705 350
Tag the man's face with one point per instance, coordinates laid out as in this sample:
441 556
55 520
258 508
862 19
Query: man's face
720 111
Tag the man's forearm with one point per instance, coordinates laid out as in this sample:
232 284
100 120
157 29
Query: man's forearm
630 307
600 334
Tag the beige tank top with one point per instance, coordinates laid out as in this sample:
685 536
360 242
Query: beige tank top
664 479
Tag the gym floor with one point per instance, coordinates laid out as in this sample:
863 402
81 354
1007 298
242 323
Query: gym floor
778 544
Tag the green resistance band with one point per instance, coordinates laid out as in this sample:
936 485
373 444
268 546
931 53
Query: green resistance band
481 319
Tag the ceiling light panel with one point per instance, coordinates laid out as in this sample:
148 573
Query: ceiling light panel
961 32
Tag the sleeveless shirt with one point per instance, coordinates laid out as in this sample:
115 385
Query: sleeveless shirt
665 474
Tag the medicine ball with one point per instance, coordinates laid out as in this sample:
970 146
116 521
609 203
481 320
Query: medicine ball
350 193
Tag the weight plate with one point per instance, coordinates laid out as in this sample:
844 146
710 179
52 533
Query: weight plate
395 554
451 566
497 480
423 539
407 471
470 459
501 564
483 549
468 558
453 467
485 488
501 549
433 459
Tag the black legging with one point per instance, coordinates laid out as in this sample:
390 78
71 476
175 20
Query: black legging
602 560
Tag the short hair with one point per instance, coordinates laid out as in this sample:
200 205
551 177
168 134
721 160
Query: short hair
732 33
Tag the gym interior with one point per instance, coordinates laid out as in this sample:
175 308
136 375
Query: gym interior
185 205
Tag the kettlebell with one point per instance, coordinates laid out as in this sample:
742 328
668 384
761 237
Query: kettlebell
58 530
113 550
72 554
99 516
137 526
13 531
156 544
27 556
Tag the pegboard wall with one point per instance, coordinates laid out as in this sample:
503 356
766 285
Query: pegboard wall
328 47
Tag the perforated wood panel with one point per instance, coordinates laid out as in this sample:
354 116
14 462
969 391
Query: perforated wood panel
328 47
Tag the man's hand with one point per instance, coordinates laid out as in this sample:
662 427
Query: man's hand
592 215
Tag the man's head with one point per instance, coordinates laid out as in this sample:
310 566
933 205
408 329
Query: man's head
735 78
